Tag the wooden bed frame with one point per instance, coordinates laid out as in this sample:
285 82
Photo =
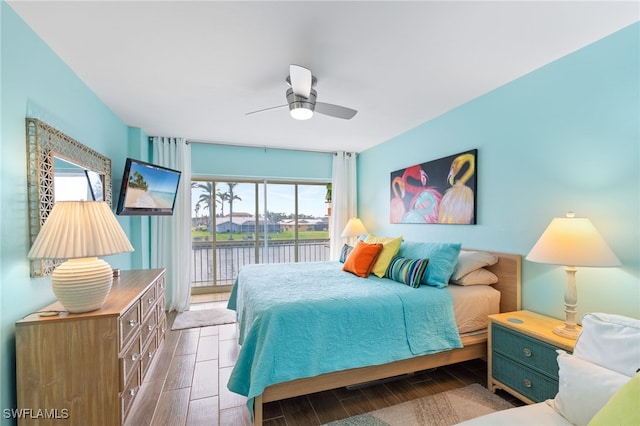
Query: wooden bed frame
508 270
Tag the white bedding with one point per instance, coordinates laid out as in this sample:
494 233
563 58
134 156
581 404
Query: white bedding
472 304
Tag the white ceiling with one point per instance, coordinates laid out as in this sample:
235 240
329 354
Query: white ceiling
193 69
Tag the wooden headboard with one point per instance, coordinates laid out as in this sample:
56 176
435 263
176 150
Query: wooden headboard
509 271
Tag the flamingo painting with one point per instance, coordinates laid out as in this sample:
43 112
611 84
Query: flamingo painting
457 204
416 192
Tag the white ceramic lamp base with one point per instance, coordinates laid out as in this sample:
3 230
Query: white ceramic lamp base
570 329
82 285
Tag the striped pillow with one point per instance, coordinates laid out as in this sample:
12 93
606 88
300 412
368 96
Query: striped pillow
344 253
407 271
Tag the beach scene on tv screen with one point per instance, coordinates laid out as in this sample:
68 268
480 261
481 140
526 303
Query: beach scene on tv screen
150 188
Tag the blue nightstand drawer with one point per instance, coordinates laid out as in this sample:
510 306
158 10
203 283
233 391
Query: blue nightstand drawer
528 382
533 353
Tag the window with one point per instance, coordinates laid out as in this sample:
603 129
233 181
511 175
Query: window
241 222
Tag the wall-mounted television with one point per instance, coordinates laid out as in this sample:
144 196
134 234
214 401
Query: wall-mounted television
147 189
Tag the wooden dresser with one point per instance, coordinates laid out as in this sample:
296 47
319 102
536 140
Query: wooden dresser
86 369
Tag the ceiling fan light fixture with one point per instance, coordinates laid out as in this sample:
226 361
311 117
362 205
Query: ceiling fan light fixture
301 108
301 111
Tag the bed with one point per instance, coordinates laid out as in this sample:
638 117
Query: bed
285 313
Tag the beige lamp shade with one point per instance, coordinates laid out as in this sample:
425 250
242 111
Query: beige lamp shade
354 228
80 231
572 241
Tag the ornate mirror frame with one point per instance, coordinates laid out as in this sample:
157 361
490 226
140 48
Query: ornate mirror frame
43 144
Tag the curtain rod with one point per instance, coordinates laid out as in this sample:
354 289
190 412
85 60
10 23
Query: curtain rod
188 141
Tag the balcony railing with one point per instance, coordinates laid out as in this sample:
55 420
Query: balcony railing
221 270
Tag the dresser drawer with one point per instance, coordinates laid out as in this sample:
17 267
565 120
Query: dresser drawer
526 350
127 395
148 328
148 301
148 354
162 328
129 363
160 285
129 324
161 297
528 382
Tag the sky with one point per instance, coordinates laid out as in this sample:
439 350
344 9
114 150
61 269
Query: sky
280 198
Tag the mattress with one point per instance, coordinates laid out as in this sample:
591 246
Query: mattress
472 304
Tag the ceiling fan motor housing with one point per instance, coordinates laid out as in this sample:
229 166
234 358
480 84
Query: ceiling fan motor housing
297 101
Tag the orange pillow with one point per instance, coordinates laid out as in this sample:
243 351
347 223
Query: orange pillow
362 259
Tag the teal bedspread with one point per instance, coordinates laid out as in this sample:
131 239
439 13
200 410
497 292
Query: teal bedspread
304 319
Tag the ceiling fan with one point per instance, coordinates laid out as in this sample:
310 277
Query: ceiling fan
301 97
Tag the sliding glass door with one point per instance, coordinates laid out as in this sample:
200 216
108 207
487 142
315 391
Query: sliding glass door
239 222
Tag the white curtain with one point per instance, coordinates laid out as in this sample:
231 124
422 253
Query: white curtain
343 198
171 235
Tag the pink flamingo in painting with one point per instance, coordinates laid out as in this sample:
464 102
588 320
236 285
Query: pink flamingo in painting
457 203
425 204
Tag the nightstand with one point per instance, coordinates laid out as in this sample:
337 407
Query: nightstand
522 355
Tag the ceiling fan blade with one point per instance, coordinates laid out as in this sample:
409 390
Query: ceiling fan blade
301 80
266 109
335 110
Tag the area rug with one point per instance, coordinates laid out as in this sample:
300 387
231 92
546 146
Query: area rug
443 409
216 315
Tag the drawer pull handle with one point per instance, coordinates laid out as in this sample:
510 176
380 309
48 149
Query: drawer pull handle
527 383
134 357
132 392
132 323
149 327
150 300
527 352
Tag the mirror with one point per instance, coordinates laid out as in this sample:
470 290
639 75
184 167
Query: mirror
53 158
73 182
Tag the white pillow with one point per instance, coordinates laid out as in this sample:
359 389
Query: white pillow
469 261
611 341
478 277
584 388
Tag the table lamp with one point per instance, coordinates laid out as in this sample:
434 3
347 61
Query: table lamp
80 231
354 228
572 241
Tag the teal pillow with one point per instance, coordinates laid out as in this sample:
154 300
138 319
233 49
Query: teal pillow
346 249
442 260
407 271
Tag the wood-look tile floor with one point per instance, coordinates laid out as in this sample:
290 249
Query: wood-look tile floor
186 385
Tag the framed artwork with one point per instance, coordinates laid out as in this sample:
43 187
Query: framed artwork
438 191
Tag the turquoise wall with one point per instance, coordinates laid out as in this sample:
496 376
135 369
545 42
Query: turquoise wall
36 83
564 137
211 160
